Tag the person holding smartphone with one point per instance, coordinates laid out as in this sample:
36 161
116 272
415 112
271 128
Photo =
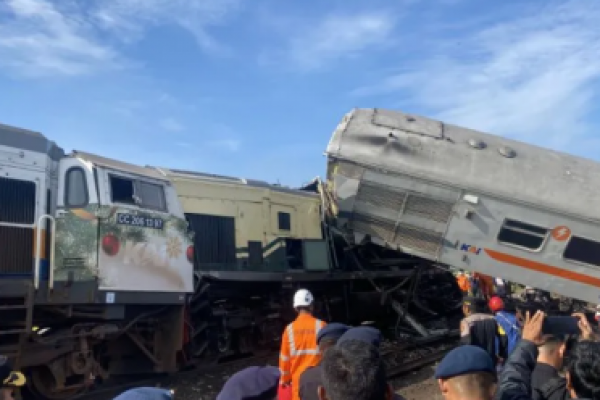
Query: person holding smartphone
581 379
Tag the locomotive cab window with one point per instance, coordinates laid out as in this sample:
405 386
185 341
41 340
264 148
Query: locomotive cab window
122 190
521 234
151 196
284 221
583 251
140 193
76 193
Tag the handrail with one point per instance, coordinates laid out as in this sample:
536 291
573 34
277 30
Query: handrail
38 250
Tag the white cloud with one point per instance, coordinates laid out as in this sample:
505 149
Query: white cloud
339 36
171 125
50 38
530 78
37 39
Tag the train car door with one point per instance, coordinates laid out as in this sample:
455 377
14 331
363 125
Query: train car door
76 222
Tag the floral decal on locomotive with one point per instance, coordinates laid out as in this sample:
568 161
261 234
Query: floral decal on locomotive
125 249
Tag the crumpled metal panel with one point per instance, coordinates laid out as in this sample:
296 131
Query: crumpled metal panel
411 222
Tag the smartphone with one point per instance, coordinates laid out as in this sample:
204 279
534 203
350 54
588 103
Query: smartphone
561 326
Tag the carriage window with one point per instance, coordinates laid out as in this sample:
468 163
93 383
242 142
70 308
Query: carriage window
583 250
76 193
521 234
151 196
284 221
121 190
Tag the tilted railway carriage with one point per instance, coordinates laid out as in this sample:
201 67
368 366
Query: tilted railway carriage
467 199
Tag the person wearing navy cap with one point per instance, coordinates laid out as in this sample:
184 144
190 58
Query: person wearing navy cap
146 393
467 372
310 380
256 383
365 334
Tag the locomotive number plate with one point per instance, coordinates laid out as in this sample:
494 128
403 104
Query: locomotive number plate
140 221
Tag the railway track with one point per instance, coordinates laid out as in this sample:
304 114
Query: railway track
400 359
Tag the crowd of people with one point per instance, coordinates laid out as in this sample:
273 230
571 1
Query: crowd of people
501 357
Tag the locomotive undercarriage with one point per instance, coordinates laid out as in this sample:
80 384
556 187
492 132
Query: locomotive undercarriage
78 347
229 318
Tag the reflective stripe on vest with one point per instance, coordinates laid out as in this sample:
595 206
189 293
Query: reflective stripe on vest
293 351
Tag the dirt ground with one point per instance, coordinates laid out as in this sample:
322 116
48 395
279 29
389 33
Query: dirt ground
418 385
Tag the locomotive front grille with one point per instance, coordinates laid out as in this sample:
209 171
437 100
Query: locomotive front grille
413 222
17 207
16 252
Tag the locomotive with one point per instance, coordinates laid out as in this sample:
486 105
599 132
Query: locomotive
109 269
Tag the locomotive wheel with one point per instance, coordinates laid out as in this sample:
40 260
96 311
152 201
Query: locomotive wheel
42 385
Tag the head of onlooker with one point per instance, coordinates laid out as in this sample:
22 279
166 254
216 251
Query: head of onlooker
552 351
365 334
467 372
329 335
353 369
471 305
146 393
496 304
256 383
11 380
583 372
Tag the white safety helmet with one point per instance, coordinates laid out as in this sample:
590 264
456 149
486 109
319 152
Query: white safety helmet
303 298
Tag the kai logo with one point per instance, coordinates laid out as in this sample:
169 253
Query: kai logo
470 249
561 233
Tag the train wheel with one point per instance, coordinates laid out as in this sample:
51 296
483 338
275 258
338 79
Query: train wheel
41 384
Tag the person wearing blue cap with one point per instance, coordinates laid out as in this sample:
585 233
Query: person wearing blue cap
256 383
310 380
467 372
365 334
146 393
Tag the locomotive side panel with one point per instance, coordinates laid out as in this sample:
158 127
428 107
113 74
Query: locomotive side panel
526 245
243 225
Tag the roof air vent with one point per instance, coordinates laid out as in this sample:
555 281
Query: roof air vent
477 144
507 152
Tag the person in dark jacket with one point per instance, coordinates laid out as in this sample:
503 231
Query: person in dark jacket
480 329
467 372
353 368
583 373
546 382
310 380
583 376
252 383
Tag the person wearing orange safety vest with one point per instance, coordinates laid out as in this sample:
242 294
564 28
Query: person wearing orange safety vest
299 348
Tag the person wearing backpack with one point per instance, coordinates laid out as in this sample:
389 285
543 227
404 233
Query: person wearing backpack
507 321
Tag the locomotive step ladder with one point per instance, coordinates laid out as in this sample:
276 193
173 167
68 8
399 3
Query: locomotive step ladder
14 335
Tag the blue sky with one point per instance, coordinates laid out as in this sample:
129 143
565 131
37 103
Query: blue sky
254 88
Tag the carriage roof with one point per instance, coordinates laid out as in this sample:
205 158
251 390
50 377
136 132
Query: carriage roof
477 162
